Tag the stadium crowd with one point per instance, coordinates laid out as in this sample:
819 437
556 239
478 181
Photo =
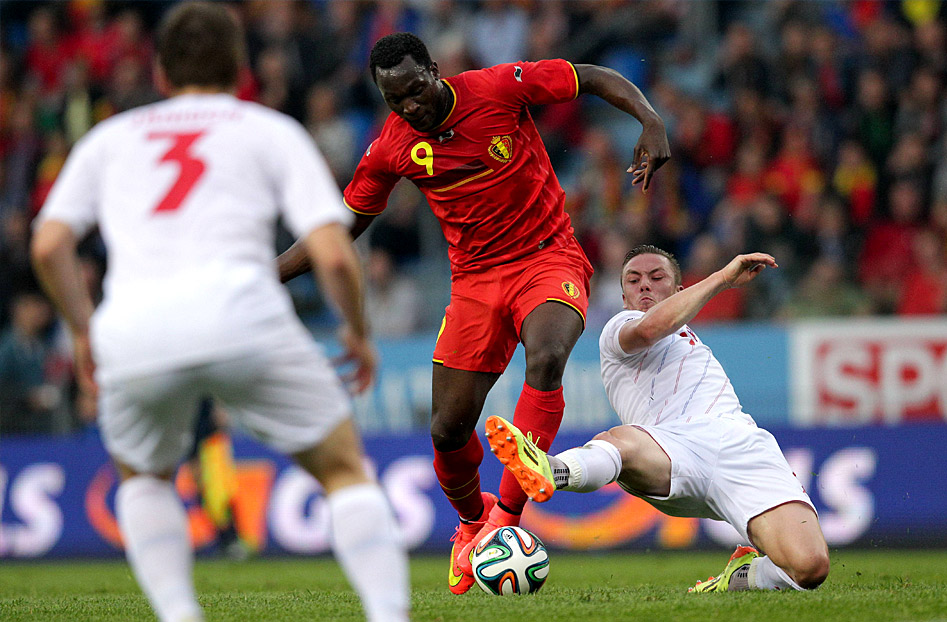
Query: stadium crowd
811 131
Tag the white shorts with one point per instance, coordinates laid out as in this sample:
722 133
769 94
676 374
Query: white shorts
288 396
725 469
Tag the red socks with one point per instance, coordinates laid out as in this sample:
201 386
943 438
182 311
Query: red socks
458 474
539 412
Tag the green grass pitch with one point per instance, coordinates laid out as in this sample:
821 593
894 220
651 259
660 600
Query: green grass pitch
864 585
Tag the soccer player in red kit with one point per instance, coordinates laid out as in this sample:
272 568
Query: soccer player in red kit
518 275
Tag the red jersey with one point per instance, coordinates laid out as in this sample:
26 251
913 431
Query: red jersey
484 170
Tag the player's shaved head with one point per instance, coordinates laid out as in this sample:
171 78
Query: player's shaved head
200 44
390 50
648 249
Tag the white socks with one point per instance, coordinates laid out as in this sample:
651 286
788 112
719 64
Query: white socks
154 525
592 466
367 545
765 575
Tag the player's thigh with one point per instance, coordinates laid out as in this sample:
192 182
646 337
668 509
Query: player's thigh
558 276
477 333
147 423
751 476
287 395
646 468
790 534
338 460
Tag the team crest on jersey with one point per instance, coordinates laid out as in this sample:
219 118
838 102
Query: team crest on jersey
501 148
570 289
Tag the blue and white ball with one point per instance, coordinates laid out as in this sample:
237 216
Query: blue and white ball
510 560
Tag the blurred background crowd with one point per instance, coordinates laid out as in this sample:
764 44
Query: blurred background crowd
814 131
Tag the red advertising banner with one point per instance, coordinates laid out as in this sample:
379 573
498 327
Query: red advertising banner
868 372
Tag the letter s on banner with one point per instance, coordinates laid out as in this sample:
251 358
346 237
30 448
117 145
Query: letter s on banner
840 487
32 495
405 481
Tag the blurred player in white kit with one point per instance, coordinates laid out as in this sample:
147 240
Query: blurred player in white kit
186 193
686 446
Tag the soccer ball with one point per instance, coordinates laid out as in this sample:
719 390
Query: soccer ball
510 560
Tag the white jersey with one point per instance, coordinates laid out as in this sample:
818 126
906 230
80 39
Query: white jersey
677 378
186 193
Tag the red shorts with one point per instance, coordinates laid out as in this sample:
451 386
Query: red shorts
481 325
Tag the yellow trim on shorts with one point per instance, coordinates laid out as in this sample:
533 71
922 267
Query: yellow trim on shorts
569 304
576 73
359 211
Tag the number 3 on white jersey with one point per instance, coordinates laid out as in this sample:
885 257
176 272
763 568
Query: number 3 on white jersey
191 167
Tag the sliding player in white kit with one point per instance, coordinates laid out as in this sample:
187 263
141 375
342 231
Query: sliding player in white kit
686 446
186 193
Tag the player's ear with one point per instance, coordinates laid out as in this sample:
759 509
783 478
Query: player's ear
680 288
434 70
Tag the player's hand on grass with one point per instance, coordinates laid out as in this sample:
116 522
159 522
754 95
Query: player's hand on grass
744 268
359 353
651 152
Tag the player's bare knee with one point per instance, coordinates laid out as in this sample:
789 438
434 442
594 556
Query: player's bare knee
813 571
808 566
545 365
447 437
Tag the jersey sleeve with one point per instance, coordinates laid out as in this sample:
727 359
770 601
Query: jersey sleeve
608 342
74 197
308 195
368 191
541 82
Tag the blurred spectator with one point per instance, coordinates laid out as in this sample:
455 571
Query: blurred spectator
829 67
706 257
46 54
604 298
888 254
741 66
824 291
392 301
921 108
770 230
856 179
334 134
925 287
832 232
27 400
872 118
500 32
16 273
794 175
21 152
745 184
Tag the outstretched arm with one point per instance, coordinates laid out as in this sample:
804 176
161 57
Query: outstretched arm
673 312
652 150
295 260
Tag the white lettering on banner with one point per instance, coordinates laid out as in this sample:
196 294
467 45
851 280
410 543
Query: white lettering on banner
847 508
299 516
852 373
840 487
32 501
405 482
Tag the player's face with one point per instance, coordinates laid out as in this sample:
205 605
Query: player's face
646 280
413 93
